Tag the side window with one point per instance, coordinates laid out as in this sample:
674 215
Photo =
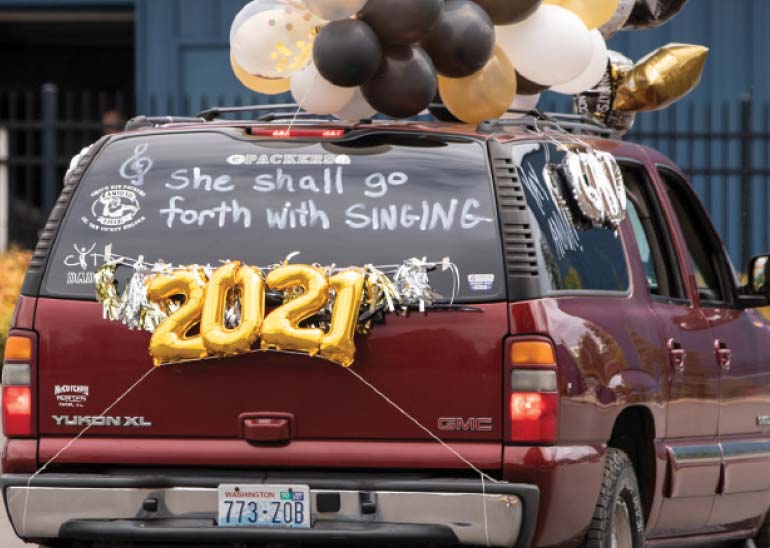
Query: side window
652 236
706 255
575 259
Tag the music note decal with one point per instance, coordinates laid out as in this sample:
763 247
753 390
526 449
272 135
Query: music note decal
136 167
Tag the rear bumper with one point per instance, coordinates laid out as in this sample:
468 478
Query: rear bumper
182 508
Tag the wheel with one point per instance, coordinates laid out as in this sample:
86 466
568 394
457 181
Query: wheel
762 540
618 520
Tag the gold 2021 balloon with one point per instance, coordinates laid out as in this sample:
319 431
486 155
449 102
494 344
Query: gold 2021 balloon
662 78
280 330
483 95
170 342
594 13
268 86
338 344
217 338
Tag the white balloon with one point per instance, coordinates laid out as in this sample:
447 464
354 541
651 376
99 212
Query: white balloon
331 10
551 47
524 103
357 108
315 94
596 70
275 43
252 8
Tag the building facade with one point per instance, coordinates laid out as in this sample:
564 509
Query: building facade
161 57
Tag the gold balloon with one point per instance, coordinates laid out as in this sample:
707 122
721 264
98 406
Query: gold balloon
594 13
217 338
662 78
338 345
268 86
483 95
171 342
280 330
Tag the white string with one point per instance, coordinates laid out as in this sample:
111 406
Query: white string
425 429
72 441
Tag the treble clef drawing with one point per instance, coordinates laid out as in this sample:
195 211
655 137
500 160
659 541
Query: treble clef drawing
136 167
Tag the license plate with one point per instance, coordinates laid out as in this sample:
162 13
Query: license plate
282 506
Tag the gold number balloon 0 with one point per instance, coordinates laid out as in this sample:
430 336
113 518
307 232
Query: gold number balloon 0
217 338
280 330
170 342
338 345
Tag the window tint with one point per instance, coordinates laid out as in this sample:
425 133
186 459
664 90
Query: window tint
705 254
574 259
200 198
652 236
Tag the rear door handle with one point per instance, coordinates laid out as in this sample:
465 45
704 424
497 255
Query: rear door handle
724 354
677 355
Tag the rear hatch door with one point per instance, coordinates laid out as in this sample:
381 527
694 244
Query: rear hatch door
203 197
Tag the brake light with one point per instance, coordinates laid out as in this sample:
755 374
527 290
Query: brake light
283 133
534 417
17 411
17 386
533 402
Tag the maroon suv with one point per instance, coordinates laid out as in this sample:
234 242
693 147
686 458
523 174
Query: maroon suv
579 385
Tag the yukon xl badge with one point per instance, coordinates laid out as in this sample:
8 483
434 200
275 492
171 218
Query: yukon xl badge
79 420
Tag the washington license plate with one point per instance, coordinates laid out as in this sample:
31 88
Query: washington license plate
282 506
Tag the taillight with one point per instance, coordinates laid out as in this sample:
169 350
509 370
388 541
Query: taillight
533 401
17 386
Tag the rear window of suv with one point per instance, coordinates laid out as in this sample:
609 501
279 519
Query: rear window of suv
206 197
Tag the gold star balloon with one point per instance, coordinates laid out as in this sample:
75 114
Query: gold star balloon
663 77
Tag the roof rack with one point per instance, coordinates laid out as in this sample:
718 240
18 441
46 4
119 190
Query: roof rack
537 120
142 122
283 111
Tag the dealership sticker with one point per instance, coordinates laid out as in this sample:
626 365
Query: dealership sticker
115 208
481 282
71 395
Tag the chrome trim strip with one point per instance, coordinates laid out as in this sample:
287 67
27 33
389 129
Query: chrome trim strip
746 449
48 508
689 455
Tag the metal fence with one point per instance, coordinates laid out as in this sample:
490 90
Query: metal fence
45 129
724 149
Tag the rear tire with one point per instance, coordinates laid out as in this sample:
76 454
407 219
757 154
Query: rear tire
762 540
618 520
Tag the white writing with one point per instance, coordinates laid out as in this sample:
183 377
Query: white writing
199 181
280 180
221 214
307 215
426 216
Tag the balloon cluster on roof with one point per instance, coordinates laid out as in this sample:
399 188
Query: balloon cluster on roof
481 58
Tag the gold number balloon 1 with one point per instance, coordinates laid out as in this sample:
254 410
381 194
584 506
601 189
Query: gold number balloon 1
280 330
171 342
486 94
662 78
217 338
338 345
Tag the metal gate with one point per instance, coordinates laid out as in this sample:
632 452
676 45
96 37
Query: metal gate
45 129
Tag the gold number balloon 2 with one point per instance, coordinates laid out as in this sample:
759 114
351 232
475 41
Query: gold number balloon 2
662 78
338 345
280 330
171 342
219 339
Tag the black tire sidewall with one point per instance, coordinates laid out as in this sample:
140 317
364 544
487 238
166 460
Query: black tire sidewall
627 491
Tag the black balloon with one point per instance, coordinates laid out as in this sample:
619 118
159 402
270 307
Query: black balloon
402 22
442 114
528 87
649 14
405 85
347 52
462 41
507 12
